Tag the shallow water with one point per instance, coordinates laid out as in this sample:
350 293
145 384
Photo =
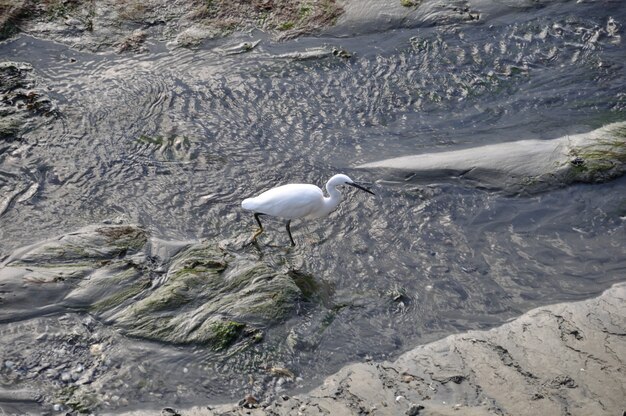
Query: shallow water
174 140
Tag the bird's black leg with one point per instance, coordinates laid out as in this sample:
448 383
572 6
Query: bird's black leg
258 220
293 243
260 230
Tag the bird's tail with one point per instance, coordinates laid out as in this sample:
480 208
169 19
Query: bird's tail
248 204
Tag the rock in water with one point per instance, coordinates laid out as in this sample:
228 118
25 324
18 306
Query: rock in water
526 165
203 294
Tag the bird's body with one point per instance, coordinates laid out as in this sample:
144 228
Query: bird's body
298 200
295 200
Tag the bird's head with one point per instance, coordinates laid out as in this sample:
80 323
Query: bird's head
341 179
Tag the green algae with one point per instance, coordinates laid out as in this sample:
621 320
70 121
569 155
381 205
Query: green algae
201 292
120 297
124 237
285 26
203 295
225 334
601 159
312 289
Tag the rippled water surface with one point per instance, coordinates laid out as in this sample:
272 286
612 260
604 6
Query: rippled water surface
174 140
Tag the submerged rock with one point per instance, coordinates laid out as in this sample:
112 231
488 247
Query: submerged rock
315 53
241 47
72 301
204 294
203 300
526 165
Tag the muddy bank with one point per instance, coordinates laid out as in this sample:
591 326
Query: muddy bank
564 359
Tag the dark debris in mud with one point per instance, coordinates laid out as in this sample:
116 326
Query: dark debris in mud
21 99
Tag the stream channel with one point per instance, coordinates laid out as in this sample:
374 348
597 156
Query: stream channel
173 139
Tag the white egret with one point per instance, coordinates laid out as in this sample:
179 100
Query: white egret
298 200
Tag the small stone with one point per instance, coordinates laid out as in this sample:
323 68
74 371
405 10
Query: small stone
65 376
9 364
168 411
95 349
414 410
185 370
57 407
86 377
249 402
282 372
51 373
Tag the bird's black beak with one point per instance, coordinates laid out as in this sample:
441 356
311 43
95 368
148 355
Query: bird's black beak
356 185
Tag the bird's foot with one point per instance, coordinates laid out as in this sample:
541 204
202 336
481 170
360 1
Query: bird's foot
257 233
253 240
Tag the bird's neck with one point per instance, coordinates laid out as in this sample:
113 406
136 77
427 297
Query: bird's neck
331 202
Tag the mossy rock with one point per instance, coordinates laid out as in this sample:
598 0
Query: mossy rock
203 294
226 333
524 166
210 297
89 247
601 159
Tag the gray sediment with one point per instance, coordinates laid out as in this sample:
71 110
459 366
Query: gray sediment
563 359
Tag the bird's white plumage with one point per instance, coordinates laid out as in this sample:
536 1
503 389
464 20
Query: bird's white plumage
296 200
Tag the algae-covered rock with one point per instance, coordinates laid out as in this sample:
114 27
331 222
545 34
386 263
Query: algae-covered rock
76 254
71 269
204 299
199 293
86 248
600 159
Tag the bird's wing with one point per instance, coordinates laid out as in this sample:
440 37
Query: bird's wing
288 201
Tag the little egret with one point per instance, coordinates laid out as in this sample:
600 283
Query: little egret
298 200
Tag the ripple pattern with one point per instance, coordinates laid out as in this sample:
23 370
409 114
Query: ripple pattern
175 140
